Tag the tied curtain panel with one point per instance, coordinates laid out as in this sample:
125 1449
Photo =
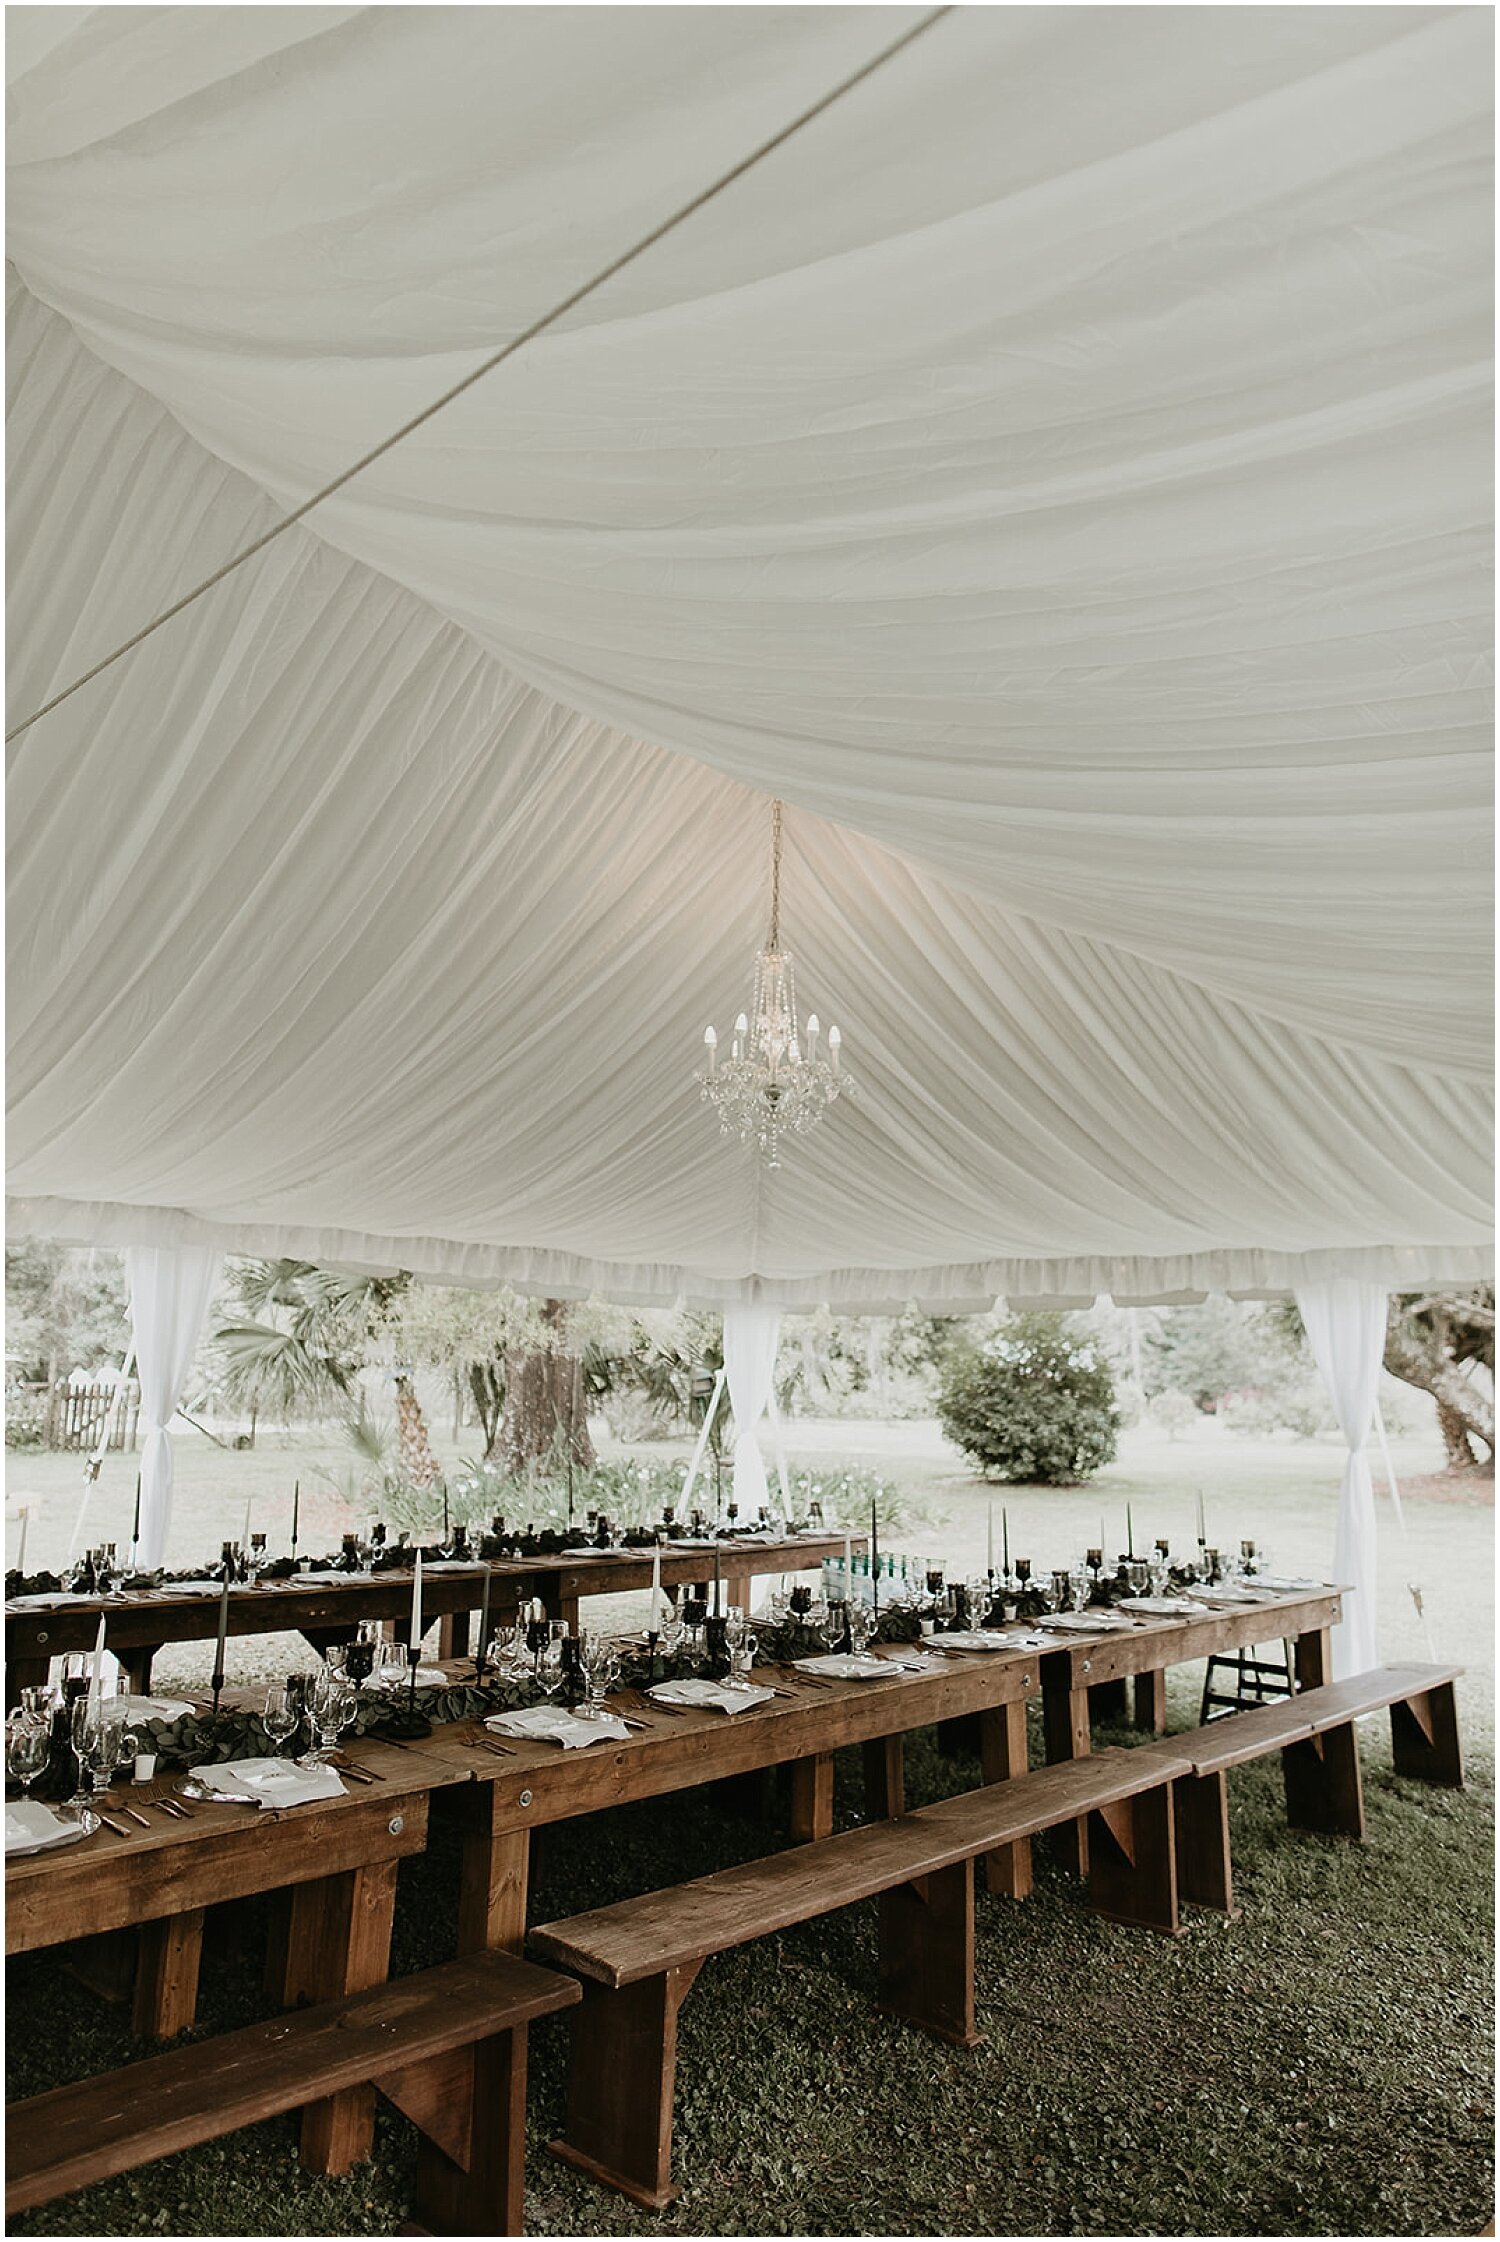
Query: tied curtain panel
1345 1323
750 1337
1060 474
170 1294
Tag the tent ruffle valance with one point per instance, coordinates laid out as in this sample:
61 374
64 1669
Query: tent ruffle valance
1059 475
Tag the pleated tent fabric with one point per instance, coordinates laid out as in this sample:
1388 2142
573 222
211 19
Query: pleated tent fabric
1060 473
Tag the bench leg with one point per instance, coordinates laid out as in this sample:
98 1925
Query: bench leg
1133 1861
812 1798
1200 1810
1065 1728
471 2177
166 1975
621 2073
1323 1790
1003 1753
1424 1738
927 1954
885 1777
339 1941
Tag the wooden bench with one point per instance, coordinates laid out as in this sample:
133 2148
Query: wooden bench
1314 1733
639 1959
447 2047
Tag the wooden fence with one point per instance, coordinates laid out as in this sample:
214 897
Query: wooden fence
76 1415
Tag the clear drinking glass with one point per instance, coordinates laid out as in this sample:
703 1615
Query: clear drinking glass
282 1716
862 1625
828 1619
331 1707
100 1743
601 1672
27 1743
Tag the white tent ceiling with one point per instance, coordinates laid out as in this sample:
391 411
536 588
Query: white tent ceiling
1061 474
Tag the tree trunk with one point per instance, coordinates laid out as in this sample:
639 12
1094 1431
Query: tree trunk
1421 1358
545 1424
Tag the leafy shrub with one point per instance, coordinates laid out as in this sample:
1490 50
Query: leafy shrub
1035 1402
25 1418
1174 1411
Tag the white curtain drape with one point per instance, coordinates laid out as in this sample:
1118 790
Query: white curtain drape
170 1291
750 1336
1345 1323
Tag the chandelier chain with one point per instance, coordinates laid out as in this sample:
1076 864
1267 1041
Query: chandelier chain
775 942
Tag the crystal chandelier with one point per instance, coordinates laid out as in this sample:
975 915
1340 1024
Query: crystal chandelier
772 1082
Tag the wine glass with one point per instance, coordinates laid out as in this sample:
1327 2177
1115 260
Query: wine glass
828 1619
331 1707
282 1716
601 1672
98 1738
27 1743
862 1625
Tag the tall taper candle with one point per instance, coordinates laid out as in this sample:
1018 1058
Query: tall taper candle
1005 1540
1202 1529
875 1557
218 1673
484 1617
1129 1533
653 1623
135 1523
416 1603
296 1511
447 1530
989 1541
245 1535
96 1685
848 1565
25 1522
718 1602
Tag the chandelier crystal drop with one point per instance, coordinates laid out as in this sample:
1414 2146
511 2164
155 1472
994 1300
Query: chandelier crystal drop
775 1080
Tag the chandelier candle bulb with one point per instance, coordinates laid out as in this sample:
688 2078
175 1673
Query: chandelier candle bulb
711 1045
835 1045
812 1037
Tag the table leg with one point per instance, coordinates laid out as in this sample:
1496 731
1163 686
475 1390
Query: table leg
166 1975
885 1777
494 1877
1002 1754
1065 1729
1151 1701
339 1941
812 1798
137 1665
1312 1658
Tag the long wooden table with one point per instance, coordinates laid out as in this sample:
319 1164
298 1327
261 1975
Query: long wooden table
141 1621
338 1858
335 1859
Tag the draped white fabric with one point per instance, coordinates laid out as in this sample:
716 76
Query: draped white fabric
170 1294
1059 474
750 1336
1345 1323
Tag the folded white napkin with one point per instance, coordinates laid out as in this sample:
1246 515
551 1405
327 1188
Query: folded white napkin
843 1665
1235 1595
269 1782
987 1638
54 1596
152 1708
1161 1607
322 1580
719 1697
1280 1585
31 1827
194 1587
552 1724
1087 1622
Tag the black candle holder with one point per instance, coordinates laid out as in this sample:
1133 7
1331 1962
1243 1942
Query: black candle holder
655 1664
716 1647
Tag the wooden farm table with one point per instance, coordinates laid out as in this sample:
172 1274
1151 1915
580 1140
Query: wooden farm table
1089 1673
334 1859
541 1784
141 1621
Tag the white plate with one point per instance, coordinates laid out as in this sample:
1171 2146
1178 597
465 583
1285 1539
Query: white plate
1087 1623
1161 1607
49 1831
716 1697
983 1638
843 1665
